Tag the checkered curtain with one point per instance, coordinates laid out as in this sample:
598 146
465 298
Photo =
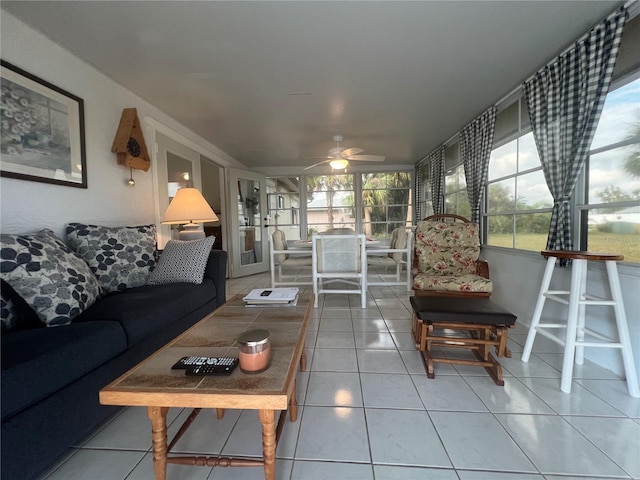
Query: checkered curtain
436 174
565 100
476 140
419 179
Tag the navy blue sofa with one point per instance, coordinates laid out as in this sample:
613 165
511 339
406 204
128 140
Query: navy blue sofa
51 376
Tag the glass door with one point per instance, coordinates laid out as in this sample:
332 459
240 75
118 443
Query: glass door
249 247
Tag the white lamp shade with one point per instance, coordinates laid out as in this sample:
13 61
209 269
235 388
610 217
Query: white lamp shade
189 206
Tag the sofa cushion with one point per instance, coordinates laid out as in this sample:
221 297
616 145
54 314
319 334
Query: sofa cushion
143 310
15 313
49 276
120 257
39 362
182 261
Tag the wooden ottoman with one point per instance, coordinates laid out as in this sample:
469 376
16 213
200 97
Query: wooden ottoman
476 324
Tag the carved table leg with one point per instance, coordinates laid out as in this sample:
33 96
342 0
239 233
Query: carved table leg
267 418
303 359
293 403
158 417
220 413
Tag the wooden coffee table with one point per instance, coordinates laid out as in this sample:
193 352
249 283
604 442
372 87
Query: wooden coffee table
154 385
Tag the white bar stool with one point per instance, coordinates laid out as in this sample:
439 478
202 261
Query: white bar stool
574 340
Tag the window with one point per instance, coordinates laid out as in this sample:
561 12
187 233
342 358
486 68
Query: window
610 212
518 201
330 203
456 199
386 203
283 204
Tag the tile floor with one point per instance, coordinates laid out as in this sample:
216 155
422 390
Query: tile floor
367 411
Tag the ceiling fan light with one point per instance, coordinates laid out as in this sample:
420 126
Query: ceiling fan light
339 164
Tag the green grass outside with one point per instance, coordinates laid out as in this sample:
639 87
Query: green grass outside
627 245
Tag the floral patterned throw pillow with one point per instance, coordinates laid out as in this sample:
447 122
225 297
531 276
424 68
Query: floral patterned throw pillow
51 278
120 257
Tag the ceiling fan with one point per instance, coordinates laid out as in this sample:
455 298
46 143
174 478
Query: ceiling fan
339 157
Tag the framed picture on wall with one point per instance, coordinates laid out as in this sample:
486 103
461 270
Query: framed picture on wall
42 130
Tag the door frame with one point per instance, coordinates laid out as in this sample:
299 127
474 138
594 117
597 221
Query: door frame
236 269
166 145
158 167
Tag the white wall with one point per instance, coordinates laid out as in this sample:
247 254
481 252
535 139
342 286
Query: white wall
517 277
108 200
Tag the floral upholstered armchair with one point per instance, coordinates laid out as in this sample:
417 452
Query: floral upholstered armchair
446 258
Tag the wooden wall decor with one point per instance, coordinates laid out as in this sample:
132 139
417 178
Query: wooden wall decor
129 142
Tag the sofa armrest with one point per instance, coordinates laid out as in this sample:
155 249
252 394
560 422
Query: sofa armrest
216 270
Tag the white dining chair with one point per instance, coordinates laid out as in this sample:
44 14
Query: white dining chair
295 262
340 259
398 256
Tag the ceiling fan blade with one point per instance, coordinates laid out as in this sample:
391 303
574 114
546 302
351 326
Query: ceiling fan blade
316 164
347 152
367 158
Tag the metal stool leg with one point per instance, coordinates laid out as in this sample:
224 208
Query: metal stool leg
537 313
623 329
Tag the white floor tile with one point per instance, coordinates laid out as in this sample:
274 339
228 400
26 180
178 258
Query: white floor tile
404 437
390 472
447 392
334 360
615 393
398 325
334 389
308 470
334 339
144 471
535 367
89 464
514 397
579 402
369 325
556 447
129 430
380 361
463 433
377 340
336 325
389 390
619 438
245 439
333 433
404 340
283 472
483 475
587 370
207 434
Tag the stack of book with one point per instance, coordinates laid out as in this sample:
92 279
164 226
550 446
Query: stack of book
271 297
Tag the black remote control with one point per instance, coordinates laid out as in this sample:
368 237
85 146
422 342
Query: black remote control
214 366
186 362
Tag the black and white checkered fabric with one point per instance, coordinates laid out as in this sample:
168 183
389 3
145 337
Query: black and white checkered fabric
436 175
429 184
476 141
565 100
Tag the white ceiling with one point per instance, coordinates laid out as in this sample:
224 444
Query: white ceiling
270 83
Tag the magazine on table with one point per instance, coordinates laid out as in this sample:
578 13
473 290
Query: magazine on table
267 296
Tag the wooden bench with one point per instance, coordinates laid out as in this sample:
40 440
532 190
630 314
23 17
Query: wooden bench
479 324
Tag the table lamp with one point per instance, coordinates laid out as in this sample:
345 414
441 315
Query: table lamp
189 207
